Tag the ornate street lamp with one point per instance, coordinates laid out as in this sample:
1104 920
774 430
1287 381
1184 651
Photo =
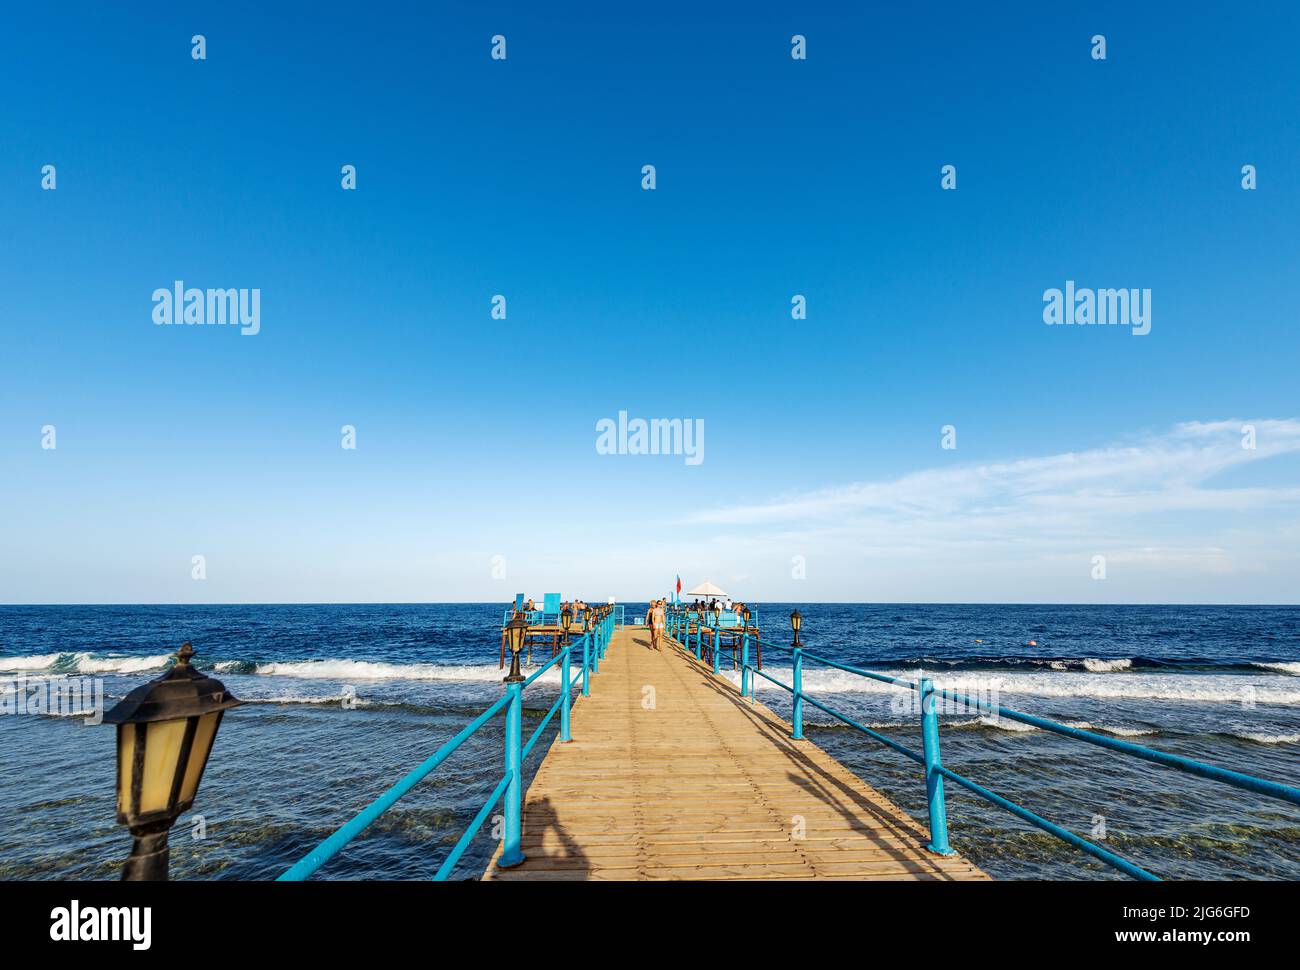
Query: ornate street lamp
165 731
795 621
717 614
746 614
515 631
566 621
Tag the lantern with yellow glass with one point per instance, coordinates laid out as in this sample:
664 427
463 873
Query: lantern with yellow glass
165 731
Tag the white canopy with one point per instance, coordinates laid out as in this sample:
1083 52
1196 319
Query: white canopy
704 589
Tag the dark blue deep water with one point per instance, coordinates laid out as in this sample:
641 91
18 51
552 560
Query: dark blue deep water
346 699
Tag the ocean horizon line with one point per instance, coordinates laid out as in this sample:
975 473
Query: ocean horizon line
755 600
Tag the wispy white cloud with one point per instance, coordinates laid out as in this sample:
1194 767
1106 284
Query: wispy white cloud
1168 510
1167 472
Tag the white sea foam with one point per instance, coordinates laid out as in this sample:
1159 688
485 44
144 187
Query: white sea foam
305 699
1123 732
1262 737
1213 688
350 670
1276 687
87 664
43 661
84 663
1106 666
1005 724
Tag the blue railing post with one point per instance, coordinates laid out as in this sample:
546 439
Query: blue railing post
796 718
699 635
566 687
511 853
744 664
716 651
586 664
933 779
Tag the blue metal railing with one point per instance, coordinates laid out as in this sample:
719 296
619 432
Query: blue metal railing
539 618
929 757
731 625
531 617
593 645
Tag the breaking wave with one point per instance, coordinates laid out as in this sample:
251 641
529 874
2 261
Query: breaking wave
83 663
1271 683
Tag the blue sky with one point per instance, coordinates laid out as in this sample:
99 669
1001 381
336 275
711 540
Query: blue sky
476 437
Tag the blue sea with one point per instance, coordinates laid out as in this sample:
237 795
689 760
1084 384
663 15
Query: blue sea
345 699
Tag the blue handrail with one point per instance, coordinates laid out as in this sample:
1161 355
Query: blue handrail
936 773
593 645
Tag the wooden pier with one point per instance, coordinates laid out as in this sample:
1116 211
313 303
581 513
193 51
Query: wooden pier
671 774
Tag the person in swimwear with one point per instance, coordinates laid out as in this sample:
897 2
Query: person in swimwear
657 622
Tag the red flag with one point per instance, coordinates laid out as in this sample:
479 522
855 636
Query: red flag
679 584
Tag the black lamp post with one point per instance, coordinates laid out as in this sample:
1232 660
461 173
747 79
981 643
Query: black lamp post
566 621
515 631
717 614
795 621
746 614
165 731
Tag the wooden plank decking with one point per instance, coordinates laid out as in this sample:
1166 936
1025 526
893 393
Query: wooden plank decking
700 784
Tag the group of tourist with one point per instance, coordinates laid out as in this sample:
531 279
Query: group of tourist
578 607
712 605
656 617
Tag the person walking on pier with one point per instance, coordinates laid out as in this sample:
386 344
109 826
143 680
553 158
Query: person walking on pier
657 622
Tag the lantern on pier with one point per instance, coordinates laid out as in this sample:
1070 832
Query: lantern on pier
566 621
515 632
795 622
165 732
746 614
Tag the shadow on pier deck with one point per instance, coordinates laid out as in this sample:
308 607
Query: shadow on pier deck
671 774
